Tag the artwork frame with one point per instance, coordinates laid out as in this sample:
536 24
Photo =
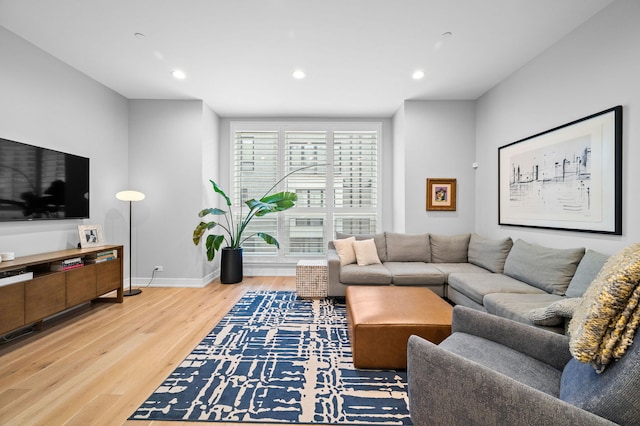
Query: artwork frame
441 194
90 236
567 178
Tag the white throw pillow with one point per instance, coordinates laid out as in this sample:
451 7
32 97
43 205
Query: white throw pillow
344 247
366 252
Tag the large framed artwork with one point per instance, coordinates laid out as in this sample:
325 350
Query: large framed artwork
567 178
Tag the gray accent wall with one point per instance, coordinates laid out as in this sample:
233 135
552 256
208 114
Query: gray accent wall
47 103
592 69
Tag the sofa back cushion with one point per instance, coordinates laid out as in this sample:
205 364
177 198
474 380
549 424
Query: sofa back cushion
378 239
587 271
489 254
407 247
548 269
449 248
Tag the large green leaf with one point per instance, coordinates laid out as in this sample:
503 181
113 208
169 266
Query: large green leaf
220 191
201 229
213 244
273 203
268 239
214 211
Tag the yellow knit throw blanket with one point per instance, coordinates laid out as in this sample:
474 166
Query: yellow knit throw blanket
603 326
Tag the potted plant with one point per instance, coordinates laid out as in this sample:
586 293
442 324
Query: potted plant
233 231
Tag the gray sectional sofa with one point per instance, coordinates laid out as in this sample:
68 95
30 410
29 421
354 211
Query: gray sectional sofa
525 282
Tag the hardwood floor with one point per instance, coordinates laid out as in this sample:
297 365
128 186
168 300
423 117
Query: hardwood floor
96 365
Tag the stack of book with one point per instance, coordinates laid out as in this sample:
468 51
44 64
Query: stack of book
65 265
101 256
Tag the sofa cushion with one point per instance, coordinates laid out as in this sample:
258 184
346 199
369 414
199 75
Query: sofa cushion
379 239
451 268
489 253
344 248
477 285
547 268
408 247
517 306
587 271
449 248
370 274
414 273
366 253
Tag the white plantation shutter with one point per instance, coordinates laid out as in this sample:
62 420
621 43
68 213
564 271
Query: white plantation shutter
339 196
255 170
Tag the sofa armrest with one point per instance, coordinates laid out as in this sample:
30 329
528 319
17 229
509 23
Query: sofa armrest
543 345
333 274
447 389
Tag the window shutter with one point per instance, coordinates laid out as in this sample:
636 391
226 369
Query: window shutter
255 170
355 159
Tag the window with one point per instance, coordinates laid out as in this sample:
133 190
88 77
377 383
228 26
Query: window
341 195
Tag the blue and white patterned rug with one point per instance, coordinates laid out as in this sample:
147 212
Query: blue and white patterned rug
278 359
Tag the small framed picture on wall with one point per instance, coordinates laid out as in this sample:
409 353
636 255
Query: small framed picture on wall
90 235
441 194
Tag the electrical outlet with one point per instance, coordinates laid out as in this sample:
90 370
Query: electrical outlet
159 268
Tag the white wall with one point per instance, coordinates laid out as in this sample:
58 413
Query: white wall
46 103
438 143
169 142
398 195
593 68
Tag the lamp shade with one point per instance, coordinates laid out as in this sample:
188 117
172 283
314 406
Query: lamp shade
130 196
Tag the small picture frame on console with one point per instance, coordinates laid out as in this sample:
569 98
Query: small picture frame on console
441 194
90 235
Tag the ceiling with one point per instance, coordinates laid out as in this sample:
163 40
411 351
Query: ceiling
239 55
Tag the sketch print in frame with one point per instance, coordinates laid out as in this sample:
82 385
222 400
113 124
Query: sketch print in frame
441 194
567 178
90 235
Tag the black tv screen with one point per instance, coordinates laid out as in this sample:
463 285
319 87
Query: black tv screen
39 184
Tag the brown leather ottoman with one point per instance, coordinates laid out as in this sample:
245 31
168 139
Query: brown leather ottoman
382 318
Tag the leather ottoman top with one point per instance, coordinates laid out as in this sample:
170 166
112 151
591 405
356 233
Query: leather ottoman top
397 305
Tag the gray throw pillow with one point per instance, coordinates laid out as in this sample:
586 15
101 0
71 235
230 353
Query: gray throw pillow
449 248
548 269
489 254
408 247
587 271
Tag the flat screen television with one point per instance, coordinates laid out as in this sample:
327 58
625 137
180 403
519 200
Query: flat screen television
42 184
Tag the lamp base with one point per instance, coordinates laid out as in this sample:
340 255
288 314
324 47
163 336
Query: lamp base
131 292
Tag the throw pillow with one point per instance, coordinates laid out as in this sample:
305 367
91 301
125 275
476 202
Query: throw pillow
366 253
555 313
449 248
587 271
379 239
489 254
604 324
344 247
548 269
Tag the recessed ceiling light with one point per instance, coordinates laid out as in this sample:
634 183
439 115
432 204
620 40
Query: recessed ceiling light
139 35
418 74
178 74
298 74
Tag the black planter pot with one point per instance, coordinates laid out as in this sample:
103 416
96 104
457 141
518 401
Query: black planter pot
231 265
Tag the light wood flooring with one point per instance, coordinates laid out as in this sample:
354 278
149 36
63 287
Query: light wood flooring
98 364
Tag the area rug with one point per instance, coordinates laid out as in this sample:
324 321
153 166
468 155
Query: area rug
275 358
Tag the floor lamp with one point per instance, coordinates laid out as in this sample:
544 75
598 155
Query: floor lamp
130 196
